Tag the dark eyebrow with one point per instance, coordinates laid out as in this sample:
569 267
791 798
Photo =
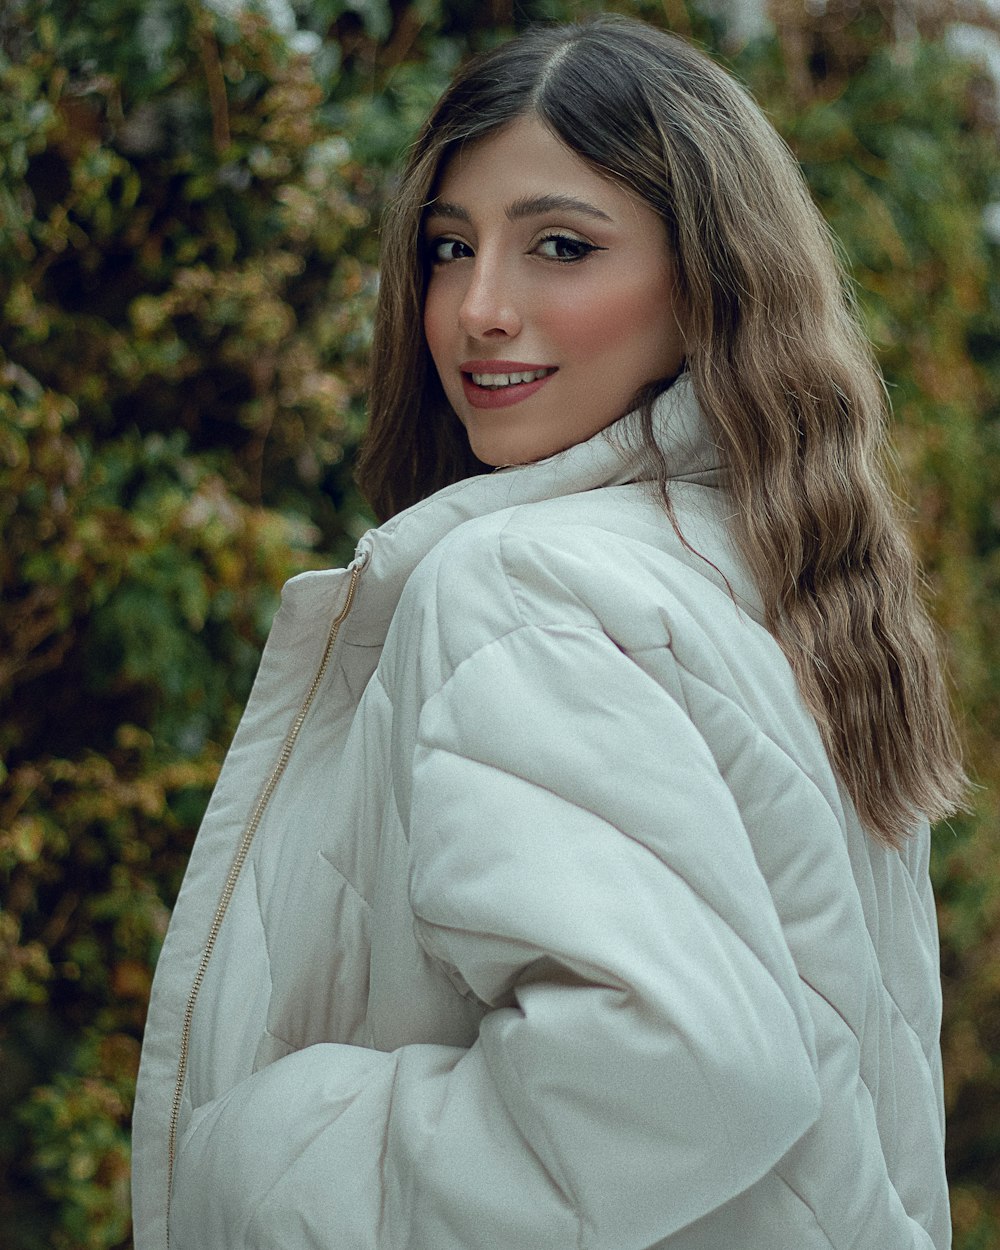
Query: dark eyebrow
445 208
536 205
527 206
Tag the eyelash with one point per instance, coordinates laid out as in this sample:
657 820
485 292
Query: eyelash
584 249
444 241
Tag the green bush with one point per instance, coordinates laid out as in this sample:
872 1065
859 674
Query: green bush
189 197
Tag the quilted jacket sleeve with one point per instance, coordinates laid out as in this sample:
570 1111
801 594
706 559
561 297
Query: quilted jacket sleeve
582 870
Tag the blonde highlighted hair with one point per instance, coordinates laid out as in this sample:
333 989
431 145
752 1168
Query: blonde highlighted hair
781 370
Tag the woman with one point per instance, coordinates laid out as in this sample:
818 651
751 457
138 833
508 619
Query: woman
566 884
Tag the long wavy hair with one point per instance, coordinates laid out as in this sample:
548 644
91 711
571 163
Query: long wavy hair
781 370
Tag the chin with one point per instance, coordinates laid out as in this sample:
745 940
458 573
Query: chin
500 453
493 453
498 458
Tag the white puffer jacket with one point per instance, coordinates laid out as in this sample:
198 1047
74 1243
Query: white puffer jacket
528 913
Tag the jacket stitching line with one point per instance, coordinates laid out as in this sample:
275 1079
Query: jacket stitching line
517 587
697 892
321 854
497 640
687 673
562 1186
808 1205
903 1016
744 715
503 540
840 1016
515 580
494 640
680 697
669 867
385 1163
257 1211
683 671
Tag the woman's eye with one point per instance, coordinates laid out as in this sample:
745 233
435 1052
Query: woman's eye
443 250
564 247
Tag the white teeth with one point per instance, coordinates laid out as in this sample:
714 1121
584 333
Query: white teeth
508 379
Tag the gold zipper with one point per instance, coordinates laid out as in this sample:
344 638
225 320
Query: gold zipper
237 867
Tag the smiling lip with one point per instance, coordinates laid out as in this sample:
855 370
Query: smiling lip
501 396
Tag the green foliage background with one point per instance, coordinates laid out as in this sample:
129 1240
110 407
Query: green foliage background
189 197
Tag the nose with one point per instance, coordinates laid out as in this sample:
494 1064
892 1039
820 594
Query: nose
490 304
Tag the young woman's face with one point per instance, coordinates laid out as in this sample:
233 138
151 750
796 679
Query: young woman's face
550 300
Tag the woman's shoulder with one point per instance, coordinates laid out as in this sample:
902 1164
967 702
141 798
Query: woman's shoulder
607 559
570 546
608 564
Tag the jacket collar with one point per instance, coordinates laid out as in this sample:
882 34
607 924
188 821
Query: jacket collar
612 457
